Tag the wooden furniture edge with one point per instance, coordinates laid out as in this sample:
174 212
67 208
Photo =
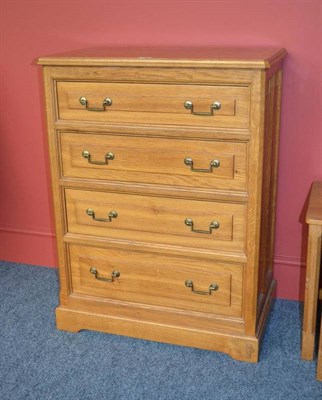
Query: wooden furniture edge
313 265
314 211
319 362
241 348
164 61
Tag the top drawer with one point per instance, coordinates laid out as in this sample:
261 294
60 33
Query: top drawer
194 105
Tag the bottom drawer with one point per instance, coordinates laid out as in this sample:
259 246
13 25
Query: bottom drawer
160 280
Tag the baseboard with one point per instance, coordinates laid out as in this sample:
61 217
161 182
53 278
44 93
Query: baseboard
28 245
289 260
289 272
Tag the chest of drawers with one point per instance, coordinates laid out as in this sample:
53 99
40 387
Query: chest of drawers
164 180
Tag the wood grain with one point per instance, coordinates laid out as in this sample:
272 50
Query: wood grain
158 220
150 133
153 104
269 187
239 347
206 57
57 191
157 281
314 211
319 361
313 266
155 160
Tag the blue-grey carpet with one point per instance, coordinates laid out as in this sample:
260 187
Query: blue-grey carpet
39 362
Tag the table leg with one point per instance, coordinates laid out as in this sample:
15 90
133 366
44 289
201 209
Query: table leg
319 366
311 291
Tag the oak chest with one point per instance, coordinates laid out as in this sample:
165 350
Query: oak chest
164 170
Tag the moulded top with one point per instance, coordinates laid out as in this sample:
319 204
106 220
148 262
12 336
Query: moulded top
211 57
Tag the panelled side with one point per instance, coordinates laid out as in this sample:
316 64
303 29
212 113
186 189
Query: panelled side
255 156
270 166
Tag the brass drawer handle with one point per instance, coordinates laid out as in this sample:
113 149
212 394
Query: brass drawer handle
111 215
214 106
109 156
114 274
212 288
84 102
213 225
213 164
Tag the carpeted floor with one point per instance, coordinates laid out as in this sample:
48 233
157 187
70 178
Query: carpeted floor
39 362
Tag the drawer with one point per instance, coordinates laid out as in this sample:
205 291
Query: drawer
188 223
174 282
168 104
192 163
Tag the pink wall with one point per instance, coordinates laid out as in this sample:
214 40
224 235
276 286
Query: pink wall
39 27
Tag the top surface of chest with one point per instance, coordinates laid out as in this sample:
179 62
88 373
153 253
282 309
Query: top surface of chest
213 57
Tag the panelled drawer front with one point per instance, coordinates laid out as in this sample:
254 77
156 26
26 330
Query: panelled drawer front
217 226
157 280
192 163
154 103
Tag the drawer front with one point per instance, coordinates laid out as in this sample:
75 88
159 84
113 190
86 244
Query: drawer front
192 163
174 282
199 224
228 106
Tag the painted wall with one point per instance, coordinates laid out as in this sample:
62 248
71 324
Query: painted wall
40 27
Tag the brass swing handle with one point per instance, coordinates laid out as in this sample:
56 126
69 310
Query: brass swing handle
212 288
214 106
112 214
213 164
114 274
213 225
87 155
84 102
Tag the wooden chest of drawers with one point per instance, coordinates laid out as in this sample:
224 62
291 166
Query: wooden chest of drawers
164 180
